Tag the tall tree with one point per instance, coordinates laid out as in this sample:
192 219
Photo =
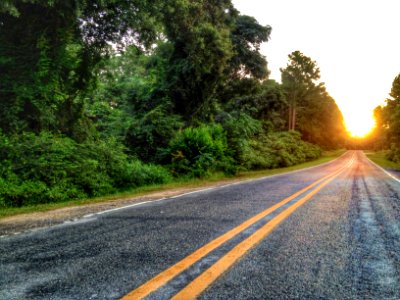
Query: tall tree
395 91
391 114
200 36
247 36
299 80
312 111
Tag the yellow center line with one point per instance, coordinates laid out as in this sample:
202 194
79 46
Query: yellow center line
168 274
197 286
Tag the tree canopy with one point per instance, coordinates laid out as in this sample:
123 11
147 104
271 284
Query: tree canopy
387 132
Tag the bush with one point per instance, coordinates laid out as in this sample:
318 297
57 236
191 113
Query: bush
149 135
279 149
240 128
200 151
393 154
50 168
138 174
27 192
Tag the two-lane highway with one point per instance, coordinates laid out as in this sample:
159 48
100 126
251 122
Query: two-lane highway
330 232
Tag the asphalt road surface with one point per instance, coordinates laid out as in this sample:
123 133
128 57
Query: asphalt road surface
329 232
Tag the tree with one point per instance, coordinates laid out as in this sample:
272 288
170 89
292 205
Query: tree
377 139
395 91
312 111
386 134
200 36
49 51
247 37
320 121
391 114
212 45
299 83
263 101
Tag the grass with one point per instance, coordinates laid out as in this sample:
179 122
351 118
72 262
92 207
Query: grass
380 159
183 183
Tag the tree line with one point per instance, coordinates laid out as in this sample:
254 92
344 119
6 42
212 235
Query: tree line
101 96
386 135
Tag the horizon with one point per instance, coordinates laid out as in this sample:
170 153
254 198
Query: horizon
356 56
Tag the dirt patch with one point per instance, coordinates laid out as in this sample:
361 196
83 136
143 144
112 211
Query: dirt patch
32 221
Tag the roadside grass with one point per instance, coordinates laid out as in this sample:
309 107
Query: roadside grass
179 183
379 157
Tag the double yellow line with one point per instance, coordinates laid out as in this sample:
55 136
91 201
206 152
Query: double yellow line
198 285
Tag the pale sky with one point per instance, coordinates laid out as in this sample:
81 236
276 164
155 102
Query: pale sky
356 44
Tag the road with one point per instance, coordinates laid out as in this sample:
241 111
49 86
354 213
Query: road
329 232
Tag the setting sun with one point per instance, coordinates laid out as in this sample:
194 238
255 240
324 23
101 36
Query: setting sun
359 124
358 73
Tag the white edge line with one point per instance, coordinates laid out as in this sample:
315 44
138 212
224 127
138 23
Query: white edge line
119 208
210 188
382 169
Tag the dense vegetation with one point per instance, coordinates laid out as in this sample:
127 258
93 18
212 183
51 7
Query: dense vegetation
101 96
387 132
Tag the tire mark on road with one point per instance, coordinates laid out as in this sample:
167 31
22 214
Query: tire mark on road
374 269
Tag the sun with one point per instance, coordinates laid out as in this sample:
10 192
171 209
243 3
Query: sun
359 125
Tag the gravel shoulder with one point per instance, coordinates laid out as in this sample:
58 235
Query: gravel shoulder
37 220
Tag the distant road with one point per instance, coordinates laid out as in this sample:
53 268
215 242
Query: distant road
329 232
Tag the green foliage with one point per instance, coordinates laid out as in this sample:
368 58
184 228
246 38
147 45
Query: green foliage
264 101
42 70
46 71
387 131
299 82
395 91
200 151
280 149
128 90
393 154
149 135
140 174
7 6
247 36
321 122
47 168
240 129
200 36
391 114
311 110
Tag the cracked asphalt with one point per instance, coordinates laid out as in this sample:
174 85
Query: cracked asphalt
343 243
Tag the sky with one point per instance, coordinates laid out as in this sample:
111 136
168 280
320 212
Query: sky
356 44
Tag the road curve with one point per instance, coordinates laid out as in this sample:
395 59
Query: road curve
329 232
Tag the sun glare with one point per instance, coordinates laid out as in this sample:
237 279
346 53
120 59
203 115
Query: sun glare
359 125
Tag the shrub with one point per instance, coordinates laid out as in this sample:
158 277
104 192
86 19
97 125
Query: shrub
393 154
240 128
51 168
279 149
149 135
200 151
138 174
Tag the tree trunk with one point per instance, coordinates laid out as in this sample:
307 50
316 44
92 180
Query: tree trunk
294 118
